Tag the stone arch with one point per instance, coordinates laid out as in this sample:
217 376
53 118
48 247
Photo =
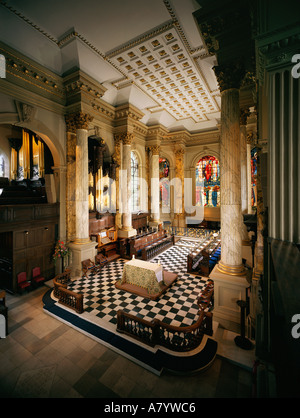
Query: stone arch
48 136
56 148
202 154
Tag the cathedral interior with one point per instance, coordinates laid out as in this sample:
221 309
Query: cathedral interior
149 179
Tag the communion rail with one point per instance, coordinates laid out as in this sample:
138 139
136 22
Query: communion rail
70 299
61 280
66 296
172 337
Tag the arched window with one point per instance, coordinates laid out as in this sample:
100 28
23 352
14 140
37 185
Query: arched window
208 182
134 183
164 184
2 166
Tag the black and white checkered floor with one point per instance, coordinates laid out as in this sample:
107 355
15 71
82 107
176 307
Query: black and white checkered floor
178 306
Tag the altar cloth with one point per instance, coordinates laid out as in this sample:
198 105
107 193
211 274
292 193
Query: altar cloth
144 274
145 279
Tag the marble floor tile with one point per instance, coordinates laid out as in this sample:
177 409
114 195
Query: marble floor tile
68 364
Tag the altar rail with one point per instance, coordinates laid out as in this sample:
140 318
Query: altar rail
181 231
156 332
71 299
61 280
66 296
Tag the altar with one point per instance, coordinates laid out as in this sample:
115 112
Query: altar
145 279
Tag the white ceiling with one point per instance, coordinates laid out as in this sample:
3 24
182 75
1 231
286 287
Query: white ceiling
148 53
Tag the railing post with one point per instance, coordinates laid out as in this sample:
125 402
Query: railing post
155 332
120 320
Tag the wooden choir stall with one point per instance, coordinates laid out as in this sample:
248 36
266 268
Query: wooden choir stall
203 258
104 232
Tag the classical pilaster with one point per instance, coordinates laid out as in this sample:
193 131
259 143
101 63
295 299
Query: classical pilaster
59 189
179 216
249 177
116 157
125 187
154 184
244 113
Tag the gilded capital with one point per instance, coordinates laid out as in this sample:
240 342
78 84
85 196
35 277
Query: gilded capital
125 137
179 153
155 149
229 76
244 113
250 138
78 120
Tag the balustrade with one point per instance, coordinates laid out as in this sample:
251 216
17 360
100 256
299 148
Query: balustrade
175 338
66 296
70 299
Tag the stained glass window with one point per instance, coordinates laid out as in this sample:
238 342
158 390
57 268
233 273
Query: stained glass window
164 184
208 182
253 176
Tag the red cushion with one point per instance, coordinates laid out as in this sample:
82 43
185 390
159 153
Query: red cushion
38 279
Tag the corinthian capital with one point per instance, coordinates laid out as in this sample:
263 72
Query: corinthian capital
244 113
125 137
78 120
155 149
229 76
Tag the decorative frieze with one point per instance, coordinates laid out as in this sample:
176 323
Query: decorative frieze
276 49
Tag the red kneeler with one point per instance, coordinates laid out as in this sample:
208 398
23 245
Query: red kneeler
36 275
22 280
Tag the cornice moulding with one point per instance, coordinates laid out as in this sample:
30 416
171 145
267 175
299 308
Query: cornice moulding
78 80
22 94
128 111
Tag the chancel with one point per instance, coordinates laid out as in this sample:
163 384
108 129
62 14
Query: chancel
149 195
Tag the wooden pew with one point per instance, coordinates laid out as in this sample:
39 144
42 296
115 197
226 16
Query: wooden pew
202 259
157 246
145 246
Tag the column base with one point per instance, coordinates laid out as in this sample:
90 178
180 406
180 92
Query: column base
81 250
231 270
126 233
228 289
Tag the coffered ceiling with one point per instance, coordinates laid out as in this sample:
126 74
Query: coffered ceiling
147 53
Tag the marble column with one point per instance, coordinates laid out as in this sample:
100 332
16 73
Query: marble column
249 178
229 79
125 195
77 190
71 181
179 188
81 194
154 183
229 278
116 158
